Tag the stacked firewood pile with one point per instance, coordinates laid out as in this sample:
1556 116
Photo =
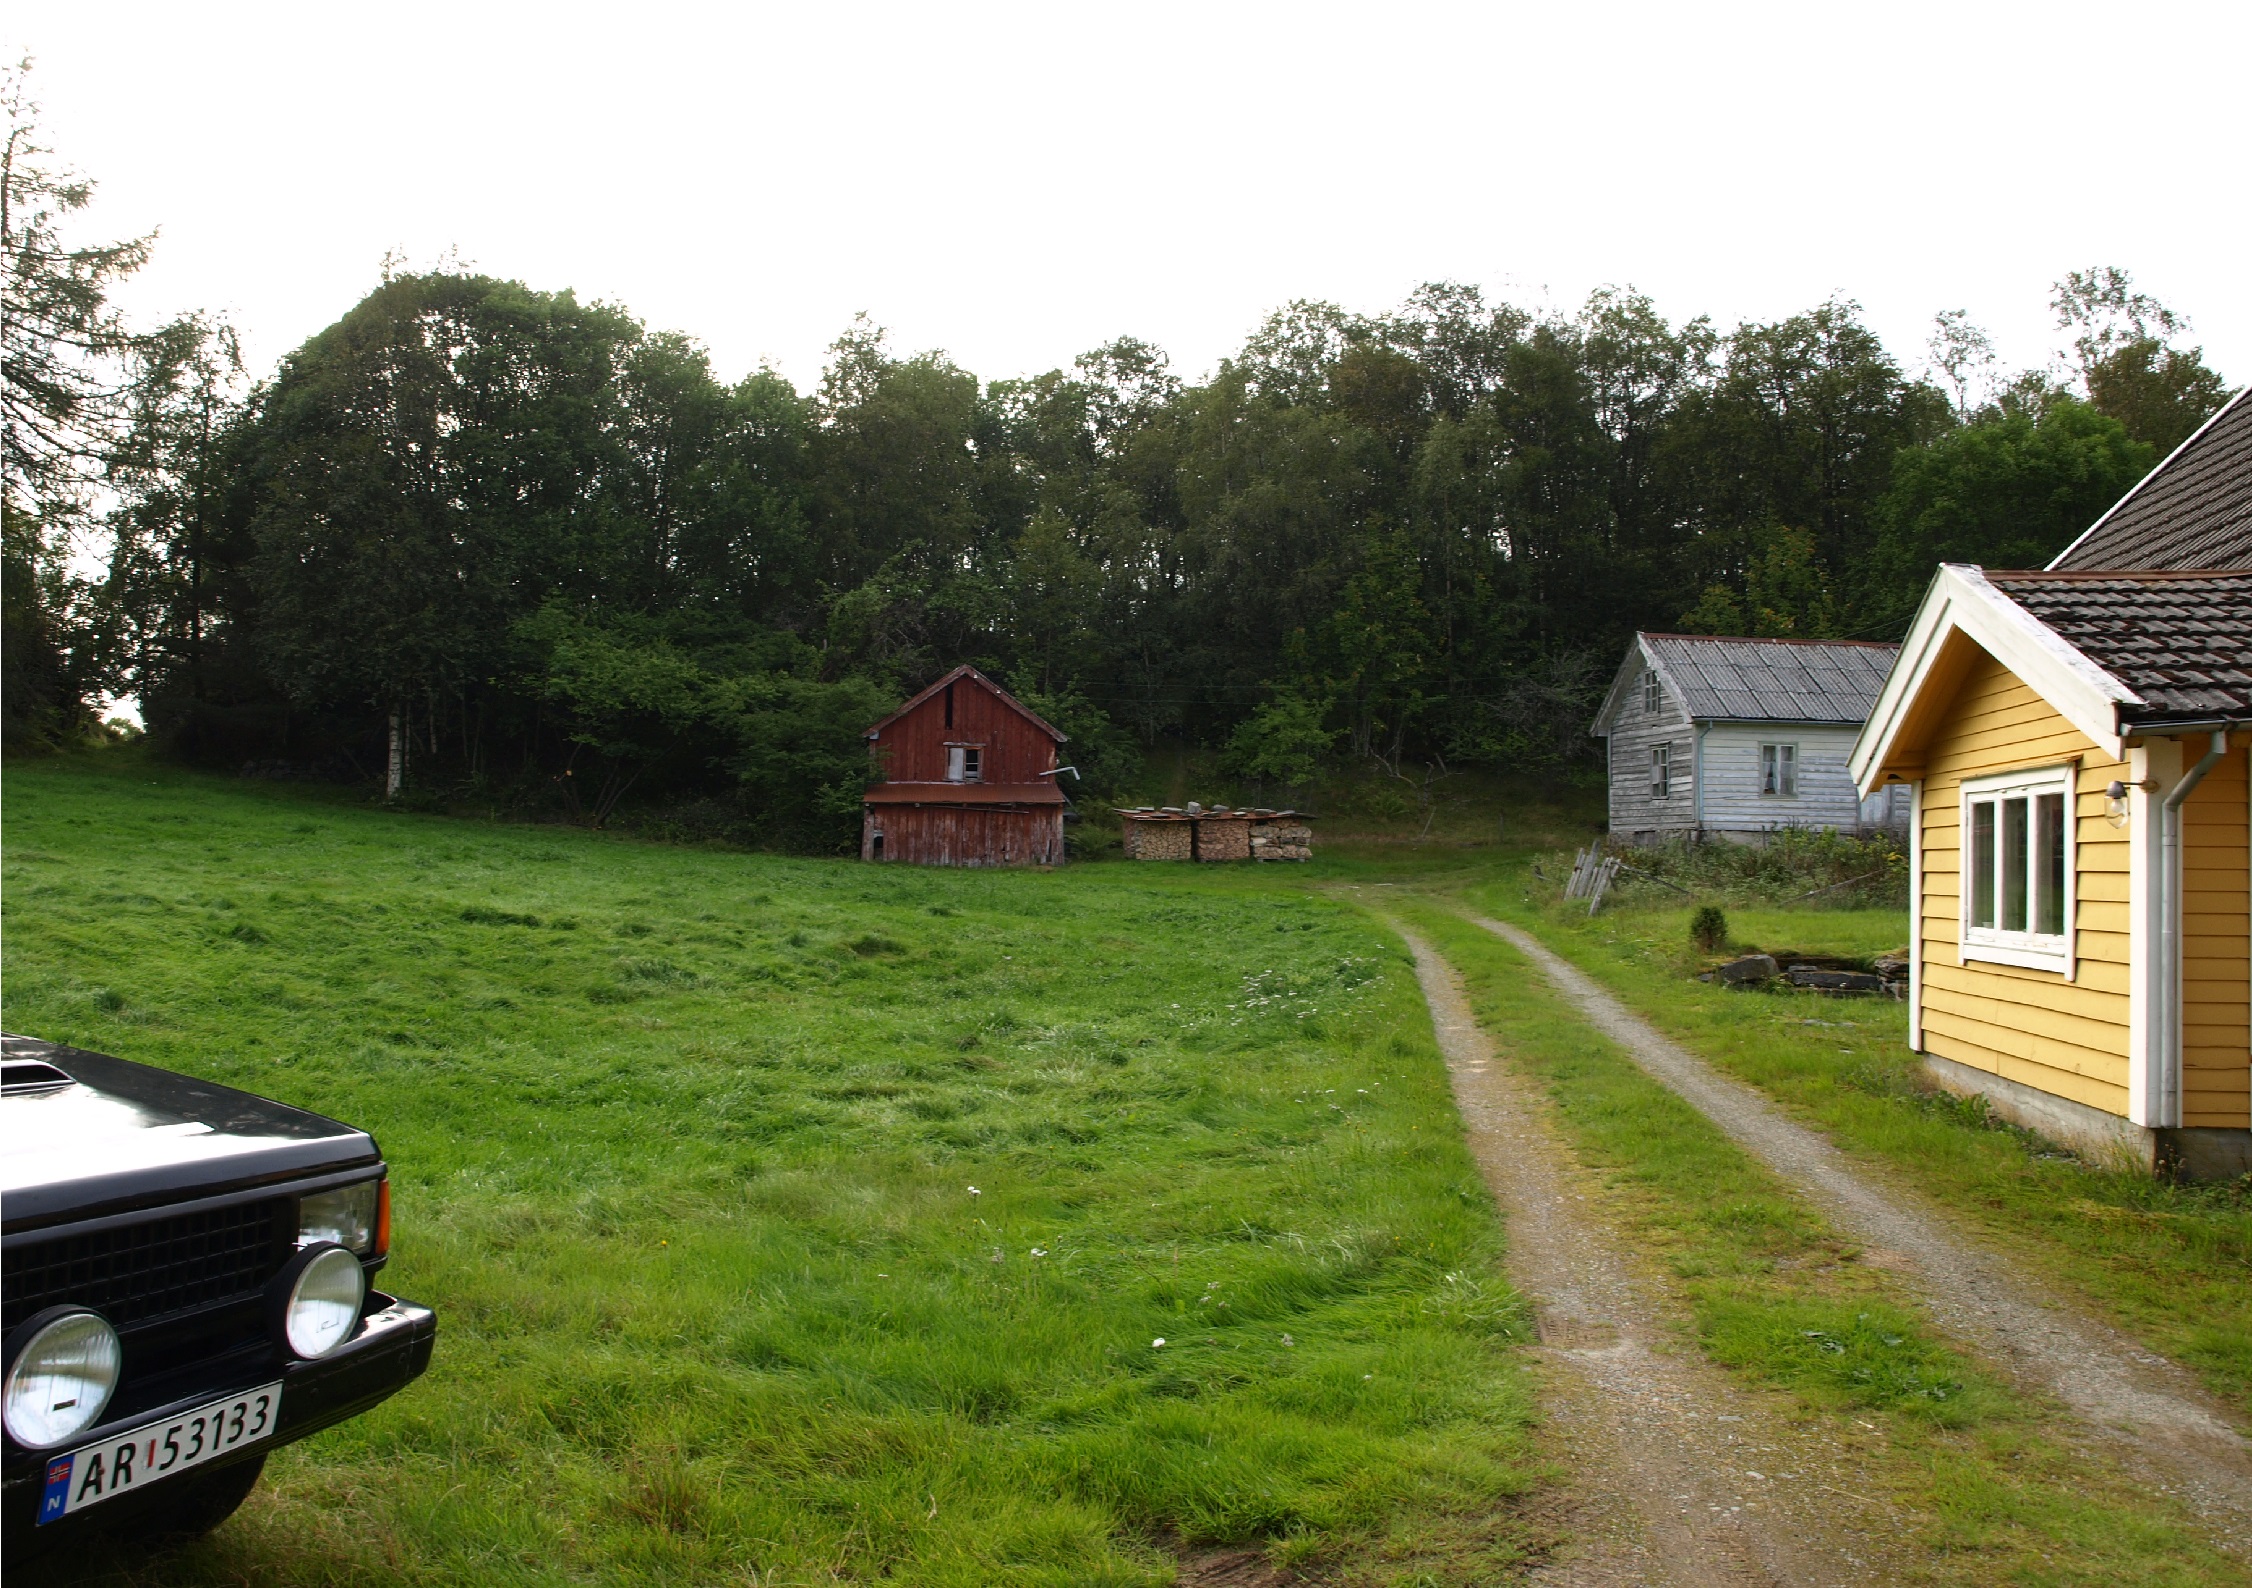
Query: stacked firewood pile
1216 833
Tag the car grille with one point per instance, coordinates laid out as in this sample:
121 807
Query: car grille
160 1267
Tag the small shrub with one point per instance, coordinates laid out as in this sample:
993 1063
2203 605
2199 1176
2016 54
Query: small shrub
1709 928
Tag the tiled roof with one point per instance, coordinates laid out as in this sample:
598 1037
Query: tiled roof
2193 511
2182 641
1737 680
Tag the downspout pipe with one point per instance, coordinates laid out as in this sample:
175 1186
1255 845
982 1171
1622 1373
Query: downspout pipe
2171 1025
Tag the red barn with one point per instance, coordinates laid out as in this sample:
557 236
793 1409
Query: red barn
969 780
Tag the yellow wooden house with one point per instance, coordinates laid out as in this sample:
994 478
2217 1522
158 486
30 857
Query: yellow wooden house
2078 740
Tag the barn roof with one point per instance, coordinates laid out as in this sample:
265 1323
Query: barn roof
1720 678
2193 511
967 671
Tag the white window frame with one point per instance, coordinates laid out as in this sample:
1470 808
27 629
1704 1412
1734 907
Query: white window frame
1652 693
1797 767
1661 771
2001 945
965 763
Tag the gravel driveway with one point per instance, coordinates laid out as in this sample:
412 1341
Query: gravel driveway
2153 1409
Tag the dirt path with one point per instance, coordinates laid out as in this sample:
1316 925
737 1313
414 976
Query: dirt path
2149 1405
1680 1476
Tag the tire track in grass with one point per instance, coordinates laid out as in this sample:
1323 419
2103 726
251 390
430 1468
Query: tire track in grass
2148 1404
1665 1448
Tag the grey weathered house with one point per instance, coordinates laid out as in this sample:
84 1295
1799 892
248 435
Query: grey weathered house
1734 738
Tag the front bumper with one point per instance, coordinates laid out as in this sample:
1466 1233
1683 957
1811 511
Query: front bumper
390 1351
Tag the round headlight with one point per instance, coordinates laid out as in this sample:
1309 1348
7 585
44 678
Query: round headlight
317 1299
62 1366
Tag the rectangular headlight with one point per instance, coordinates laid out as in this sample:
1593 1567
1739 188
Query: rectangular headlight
345 1216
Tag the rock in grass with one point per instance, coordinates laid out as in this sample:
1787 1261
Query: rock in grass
1749 971
1834 981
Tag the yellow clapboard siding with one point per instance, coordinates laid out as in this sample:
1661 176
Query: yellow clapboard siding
2102 886
2013 986
2065 1037
2107 971
2019 721
1997 1032
2217 934
2036 1026
2104 915
2094 1090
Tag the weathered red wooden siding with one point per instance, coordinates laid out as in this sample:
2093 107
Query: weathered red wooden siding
913 749
964 835
1012 815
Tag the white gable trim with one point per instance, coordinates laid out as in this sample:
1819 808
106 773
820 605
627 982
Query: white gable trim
1961 600
2135 490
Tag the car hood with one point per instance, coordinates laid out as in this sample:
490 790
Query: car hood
117 1135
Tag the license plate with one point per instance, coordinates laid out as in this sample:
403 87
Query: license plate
156 1451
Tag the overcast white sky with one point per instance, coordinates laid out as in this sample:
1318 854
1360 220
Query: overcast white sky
1015 184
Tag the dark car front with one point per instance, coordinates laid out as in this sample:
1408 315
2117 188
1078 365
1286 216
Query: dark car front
216 1235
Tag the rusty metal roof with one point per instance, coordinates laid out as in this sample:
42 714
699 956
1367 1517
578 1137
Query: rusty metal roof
1724 679
2193 511
1042 793
2180 639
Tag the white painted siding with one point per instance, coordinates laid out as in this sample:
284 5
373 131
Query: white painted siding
1633 732
1825 798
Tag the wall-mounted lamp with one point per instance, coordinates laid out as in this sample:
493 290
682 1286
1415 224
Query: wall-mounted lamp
2115 799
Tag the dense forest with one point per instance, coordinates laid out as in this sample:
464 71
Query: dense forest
479 537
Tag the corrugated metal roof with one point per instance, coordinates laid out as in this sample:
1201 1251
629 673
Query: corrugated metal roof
2182 641
1742 680
2193 511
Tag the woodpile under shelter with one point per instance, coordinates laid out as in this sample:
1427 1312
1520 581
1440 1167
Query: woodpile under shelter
969 779
1215 832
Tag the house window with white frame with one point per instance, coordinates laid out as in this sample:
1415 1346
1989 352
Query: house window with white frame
1778 771
2018 868
1661 771
1650 693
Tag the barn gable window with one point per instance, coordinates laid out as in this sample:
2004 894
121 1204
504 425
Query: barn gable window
1652 697
1778 770
1661 771
964 763
2017 859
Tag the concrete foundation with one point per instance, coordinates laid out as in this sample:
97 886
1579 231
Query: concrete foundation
2188 1154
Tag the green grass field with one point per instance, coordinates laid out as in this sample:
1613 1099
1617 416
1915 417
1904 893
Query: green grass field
684 1145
